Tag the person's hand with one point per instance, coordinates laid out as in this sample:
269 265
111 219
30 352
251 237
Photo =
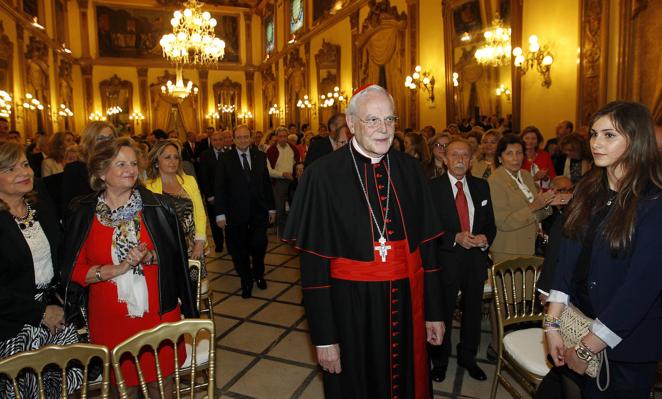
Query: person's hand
541 200
561 199
288 175
464 239
480 240
198 250
543 298
133 258
542 174
555 347
329 358
221 223
435 332
53 318
150 258
574 363
272 217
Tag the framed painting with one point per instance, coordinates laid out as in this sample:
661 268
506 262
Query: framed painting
296 15
467 17
124 32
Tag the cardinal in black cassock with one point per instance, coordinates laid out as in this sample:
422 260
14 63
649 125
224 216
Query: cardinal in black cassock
372 300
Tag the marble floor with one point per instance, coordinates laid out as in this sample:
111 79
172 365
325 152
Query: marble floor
263 349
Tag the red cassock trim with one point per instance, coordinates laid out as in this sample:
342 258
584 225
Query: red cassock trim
400 264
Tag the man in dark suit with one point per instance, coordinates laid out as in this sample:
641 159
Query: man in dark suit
189 149
465 211
208 161
204 141
244 204
338 135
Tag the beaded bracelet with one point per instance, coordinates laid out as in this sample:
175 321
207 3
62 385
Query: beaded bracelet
551 319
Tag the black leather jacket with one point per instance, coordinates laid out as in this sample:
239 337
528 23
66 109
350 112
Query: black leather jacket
164 230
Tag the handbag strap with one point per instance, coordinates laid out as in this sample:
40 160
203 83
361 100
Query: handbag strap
603 362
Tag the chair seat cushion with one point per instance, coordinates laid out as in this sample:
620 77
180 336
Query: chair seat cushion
527 348
201 353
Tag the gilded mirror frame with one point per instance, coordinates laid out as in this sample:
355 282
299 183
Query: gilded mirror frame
327 62
489 9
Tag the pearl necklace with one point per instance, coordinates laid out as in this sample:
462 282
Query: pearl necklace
28 220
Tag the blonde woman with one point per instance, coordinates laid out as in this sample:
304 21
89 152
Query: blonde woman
57 147
166 176
485 162
75 180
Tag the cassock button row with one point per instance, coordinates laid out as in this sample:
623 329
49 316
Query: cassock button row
380 186
390 232
394 301
378 175
395 323
394 290
394 312
383 198
395 334
388 220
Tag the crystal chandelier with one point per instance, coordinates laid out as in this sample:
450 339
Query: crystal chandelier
192 40
5 104
496 50
179 91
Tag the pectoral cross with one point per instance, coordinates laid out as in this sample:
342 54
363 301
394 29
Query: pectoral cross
382 248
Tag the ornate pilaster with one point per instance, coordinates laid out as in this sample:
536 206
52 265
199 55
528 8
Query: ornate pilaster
592 90
204 96
88 88
354 25
250 87
143 89
83 5
249 34
412 12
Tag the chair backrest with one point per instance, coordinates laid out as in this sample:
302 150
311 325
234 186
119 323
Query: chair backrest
196 264
61 356
168 333
514 282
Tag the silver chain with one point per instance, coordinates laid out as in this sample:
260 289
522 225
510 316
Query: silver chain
381 232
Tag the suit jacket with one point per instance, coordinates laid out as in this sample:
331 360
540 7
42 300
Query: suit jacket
201 146
188 153
17 287
516 224
483 223
625 290
240 200
318 148
207 167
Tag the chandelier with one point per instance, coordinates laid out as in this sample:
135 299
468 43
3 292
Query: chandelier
5 104
305 102
227 108
331 98
496 50
179 91
192 39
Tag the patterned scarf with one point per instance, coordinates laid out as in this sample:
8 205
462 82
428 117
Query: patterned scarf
125 221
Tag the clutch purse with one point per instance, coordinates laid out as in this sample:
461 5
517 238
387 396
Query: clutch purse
574 326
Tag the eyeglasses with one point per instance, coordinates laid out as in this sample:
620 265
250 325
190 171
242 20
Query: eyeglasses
100 138
440 145
373 122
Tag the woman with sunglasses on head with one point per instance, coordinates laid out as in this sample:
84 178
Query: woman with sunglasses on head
486 159
609 264
437 144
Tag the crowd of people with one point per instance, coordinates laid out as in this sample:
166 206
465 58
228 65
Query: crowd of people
391 225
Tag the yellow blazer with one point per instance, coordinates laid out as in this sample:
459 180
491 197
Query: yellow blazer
191 187
517 225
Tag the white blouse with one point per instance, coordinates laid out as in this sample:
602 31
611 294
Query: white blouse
40 249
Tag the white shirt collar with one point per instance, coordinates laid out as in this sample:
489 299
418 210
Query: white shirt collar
454 180
362 152
247 152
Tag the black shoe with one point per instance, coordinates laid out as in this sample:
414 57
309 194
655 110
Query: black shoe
246 290
438 374
475 372
261 283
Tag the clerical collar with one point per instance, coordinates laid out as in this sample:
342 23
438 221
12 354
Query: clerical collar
360 151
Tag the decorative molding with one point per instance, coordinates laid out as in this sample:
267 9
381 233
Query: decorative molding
594 42
295 84
328 56
111 90
250 90
143 90
88 88
413 11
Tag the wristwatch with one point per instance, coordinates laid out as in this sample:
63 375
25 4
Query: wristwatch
583 353
97 275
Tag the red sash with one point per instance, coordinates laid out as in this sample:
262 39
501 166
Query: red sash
400 264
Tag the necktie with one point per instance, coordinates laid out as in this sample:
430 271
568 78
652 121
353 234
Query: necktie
462 207
247 167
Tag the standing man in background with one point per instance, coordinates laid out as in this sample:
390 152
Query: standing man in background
281 156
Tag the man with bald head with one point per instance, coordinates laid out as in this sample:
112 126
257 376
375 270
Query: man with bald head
364 223
563 129
465 210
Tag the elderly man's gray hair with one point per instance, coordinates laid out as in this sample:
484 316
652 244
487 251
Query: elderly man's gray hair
354 101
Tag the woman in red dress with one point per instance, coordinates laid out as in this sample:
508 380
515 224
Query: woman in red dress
537 161
125 244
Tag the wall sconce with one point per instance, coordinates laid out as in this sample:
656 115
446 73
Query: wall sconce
213 115
137 116
331 98
503 90
456 79
423 80
537 56
31 103
5 104
113 110
276 110
304 103
226 108
64 112
244 116
97 116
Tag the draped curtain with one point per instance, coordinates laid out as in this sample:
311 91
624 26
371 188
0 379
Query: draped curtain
382 51
162 112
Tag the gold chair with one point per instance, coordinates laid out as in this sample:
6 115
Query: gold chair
522 351
203 296
61 356
171 332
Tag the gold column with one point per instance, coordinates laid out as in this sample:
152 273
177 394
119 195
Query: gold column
204 98
143 89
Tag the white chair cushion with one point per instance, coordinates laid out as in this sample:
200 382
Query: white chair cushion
201 352
527 347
